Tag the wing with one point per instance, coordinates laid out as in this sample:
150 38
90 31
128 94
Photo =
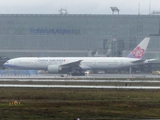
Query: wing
73 66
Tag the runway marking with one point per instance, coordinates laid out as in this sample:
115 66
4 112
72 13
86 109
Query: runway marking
110 81
77 86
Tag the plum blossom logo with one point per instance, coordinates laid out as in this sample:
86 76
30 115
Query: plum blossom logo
138 52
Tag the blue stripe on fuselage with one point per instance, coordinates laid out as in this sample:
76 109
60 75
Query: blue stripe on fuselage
14 66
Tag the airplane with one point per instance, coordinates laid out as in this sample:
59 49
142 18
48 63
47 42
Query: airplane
78 65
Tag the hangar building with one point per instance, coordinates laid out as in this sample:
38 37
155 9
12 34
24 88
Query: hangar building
76 35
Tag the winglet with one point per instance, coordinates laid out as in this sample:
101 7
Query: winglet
139 50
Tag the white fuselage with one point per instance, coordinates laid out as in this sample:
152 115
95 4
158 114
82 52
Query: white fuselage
87 63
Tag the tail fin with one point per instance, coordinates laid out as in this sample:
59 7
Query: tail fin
139 50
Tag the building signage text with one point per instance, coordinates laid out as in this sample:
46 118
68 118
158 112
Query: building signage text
57 31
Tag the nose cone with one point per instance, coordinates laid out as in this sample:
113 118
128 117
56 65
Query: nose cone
6 64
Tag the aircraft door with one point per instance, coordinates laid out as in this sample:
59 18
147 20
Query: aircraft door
121 63
94 64
34 63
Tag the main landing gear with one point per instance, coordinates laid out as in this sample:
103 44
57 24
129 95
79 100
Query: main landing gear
77 74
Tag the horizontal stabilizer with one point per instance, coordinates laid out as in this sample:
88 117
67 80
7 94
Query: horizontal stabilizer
150 60
138 61
142 60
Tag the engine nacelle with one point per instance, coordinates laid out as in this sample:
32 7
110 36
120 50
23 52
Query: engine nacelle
54 69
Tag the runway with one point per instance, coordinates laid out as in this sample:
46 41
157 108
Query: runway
81 81
114 76
149 75
96 81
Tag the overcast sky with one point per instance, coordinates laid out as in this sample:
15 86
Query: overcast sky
77 6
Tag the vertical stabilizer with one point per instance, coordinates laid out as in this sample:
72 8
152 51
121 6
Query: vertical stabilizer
139 50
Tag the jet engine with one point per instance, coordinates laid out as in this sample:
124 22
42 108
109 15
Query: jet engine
54 69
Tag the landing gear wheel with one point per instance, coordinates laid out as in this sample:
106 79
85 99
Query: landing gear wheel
62 75
78 74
